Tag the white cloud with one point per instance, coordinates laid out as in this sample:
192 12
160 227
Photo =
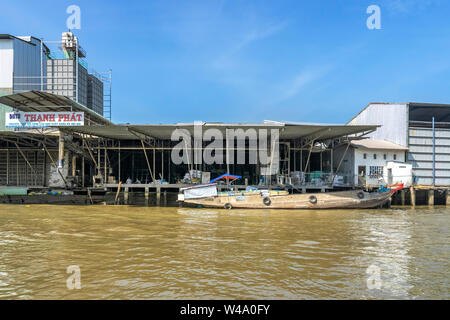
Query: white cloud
301 81
409 6
227 59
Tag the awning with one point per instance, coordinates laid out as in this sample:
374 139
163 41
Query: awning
39 101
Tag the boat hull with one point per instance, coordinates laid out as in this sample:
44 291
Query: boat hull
327 200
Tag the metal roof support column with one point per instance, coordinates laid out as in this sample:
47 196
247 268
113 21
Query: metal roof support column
309 155
340 162
154 160
120 178
434 154
7 167
26 160
148 162
90 153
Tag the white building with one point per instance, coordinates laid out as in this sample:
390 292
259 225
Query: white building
26 63
411 125
373 163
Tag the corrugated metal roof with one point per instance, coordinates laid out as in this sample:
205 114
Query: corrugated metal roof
22 38
164 131
32 101
377 144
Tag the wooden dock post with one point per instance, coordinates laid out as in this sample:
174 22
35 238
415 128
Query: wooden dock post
165 198
125 195
158 196
403 196
116 199
89 192
82 172
146 196
413 196
431 197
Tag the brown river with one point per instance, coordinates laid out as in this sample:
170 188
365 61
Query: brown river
180 253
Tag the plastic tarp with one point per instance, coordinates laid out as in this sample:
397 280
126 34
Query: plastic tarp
203 192
225 176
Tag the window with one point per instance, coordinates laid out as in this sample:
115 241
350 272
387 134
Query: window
395 157
384 156
375 171
375 156
365 155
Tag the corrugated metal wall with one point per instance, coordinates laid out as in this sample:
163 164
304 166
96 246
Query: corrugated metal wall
393 119
6 63
95 94
421 155
27 65
14 171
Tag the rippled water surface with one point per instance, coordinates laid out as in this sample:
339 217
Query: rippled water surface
170 253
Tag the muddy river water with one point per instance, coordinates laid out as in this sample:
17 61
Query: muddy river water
122 252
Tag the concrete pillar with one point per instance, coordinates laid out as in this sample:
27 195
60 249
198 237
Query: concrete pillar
413 196
61 150
125 196
74 165
146 196
431 197
158 196
403 196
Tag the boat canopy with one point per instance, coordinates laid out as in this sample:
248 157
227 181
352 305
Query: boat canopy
199 191
226 176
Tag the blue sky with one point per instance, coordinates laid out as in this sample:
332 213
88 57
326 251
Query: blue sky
247 61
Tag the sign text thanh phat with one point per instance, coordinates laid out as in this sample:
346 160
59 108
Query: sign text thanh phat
43 119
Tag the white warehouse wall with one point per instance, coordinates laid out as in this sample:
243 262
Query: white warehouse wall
6 63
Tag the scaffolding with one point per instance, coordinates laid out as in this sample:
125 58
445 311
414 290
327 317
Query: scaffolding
106 78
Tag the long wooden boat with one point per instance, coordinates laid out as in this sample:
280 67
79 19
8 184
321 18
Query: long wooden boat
264 199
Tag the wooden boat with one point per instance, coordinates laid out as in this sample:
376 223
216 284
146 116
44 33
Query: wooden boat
205 196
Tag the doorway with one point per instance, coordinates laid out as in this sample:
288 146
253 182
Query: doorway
362 175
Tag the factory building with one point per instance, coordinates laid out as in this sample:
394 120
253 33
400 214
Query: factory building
422 128
27 63
100 153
